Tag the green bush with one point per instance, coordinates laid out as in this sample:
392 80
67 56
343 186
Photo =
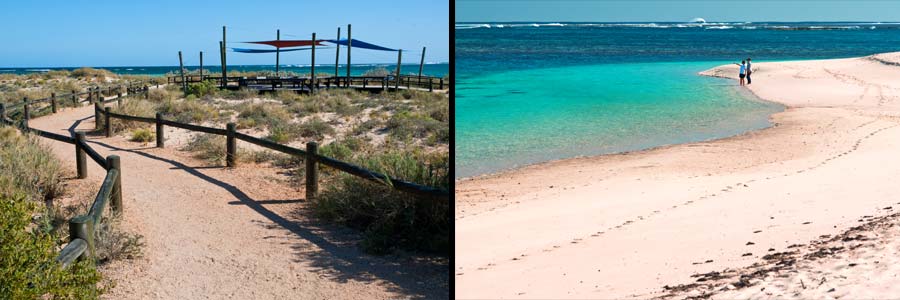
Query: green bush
315 128
188 111
28 166
390 219
201 89
405 125
28 267
143 135
208 147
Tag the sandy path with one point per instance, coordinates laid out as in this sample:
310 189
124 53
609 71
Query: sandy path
240 233
626 225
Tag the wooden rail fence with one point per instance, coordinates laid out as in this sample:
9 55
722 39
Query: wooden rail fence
309 154
81 228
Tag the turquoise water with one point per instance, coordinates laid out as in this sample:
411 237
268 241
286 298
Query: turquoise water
515 118
531 92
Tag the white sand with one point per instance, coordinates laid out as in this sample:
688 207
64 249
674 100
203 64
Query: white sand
624 226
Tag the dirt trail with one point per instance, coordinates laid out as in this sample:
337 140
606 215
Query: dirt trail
212 232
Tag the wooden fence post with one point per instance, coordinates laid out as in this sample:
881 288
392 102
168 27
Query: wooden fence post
146 92
80 162
160 138
74 99
231 146
399 55
96 116
82 227
27 112
116 204
312 175
3 111
442 84
106 122
53 102
119 100
181 67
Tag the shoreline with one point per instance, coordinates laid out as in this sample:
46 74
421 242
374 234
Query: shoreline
591 227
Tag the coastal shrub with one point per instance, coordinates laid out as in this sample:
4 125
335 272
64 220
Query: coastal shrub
240 94
160 95
188 111
133 107
315 128
208 147
27 166
201 89
390 219
112 243
405 125
88 73
262 114
143 135
28 267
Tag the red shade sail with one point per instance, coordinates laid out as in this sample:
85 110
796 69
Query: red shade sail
288 43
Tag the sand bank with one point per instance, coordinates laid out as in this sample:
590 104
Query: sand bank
627 225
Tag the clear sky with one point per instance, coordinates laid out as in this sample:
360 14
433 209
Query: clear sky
150 33
676 10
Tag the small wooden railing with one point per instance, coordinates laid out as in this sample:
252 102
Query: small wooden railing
81 228
366 82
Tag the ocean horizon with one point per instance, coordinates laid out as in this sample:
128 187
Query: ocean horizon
438 69
532 92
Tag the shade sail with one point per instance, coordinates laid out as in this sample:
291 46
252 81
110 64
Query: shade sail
360 44
287 43
242 50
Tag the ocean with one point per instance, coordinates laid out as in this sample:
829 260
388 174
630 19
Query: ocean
430 69
533 92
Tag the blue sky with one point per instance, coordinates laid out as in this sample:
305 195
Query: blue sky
676 10
150 33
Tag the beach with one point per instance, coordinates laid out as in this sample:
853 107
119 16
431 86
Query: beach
640 224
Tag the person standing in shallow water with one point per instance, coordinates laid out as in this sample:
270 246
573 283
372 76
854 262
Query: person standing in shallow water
743 69
749 71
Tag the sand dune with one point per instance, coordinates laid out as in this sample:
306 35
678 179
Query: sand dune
628 225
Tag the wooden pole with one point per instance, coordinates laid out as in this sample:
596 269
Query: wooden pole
96 115
349 41
160 139
80 162
181 67
27 112
421 65
337 53
201 65
312 176
82 227
119 100
312 68
3 111
106 122
397 75
116 203
53 102
231 146
74 99
224 60
277 51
